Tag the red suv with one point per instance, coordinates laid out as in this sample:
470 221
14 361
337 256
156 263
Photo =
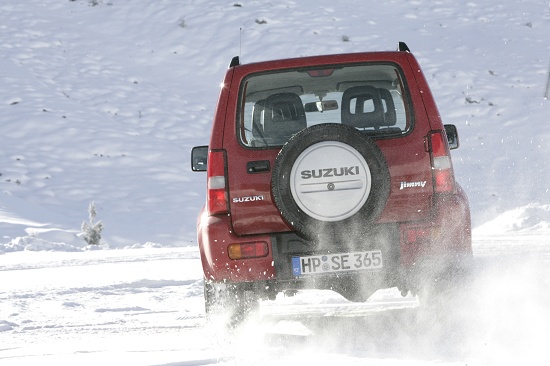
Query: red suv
329 172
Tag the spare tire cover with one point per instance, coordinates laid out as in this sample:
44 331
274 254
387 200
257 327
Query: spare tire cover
328 176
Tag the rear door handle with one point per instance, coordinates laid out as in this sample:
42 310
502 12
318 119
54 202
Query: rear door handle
259 166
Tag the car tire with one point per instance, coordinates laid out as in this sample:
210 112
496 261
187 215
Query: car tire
329 181
228 303
447 289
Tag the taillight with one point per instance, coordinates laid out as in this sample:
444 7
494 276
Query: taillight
417 235
216 186
444 180
420 235
247 250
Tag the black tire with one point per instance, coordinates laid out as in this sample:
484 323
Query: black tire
317 139
228 303
450 289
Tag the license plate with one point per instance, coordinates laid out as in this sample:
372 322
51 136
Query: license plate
337 262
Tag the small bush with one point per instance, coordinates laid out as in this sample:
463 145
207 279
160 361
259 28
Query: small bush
92 231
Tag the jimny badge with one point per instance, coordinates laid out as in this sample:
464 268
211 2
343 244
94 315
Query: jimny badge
404 185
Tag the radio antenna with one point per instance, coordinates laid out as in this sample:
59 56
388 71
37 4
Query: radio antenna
240 40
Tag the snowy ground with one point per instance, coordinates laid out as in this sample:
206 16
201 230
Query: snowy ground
144 307
102 100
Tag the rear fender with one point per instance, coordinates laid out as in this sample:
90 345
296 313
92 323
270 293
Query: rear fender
214 236
448 239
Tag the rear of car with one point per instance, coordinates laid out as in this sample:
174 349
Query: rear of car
330 172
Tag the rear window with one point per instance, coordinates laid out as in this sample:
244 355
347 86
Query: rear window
274 106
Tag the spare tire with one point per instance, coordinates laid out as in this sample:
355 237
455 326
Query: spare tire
330 180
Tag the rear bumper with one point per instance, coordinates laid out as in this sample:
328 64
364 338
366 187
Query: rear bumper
447 244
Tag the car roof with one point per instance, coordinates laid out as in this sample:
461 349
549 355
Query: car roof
321 60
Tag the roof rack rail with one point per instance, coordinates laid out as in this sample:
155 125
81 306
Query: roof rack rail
402 46
235 62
